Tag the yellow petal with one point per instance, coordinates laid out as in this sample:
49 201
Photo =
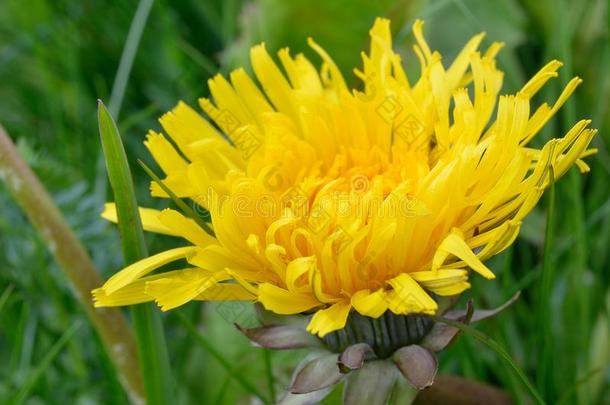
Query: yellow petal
534 126
217 258
186 126
177 182
302 74
149 217
131 294
454 245
178 288
145 266
246 285
271 78
226 292
418 32
370 304
330 319
444 282
164 153
295 271
249 92
535 83
315 283
336 77
185 227
409 297
283 302
460 64
495 240
228 102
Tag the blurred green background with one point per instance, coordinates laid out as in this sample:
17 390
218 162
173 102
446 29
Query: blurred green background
58 57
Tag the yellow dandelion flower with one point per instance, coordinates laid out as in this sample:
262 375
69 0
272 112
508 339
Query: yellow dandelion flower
325 199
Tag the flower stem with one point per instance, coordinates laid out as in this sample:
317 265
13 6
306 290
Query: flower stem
74 260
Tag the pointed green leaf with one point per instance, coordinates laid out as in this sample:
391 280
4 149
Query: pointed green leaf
210 349
39 371
152 350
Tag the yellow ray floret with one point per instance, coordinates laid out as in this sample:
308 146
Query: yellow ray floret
325 200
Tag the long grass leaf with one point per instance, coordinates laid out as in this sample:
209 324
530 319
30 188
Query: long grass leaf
545 315
269 372
499 350
128 56
5 295
211 350
119 86
152 349
575 216
32 379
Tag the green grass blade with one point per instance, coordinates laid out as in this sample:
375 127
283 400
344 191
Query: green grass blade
121 78
152 349
575 216
269 372
210 349
499 350
545 315
32 379
128 56
580 383
5 295
119 174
